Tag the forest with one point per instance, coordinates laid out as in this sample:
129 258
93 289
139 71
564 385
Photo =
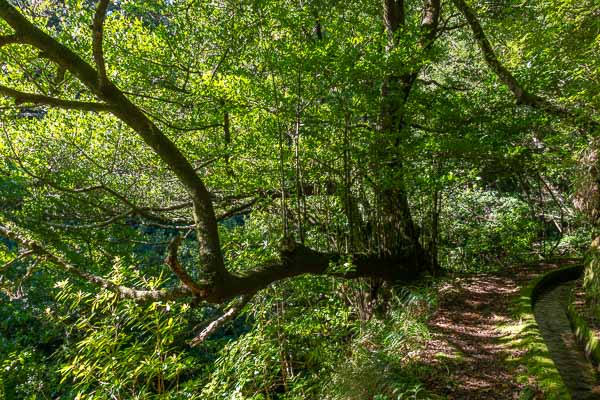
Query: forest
299 199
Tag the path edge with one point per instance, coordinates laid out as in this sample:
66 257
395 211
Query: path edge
585 336
534 364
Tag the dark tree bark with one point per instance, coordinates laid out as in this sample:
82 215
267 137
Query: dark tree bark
400 233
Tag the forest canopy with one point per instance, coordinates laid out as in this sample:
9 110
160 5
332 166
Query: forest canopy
196 155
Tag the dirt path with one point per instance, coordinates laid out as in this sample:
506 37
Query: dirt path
466 353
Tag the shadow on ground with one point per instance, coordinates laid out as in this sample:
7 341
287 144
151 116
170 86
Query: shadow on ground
469 356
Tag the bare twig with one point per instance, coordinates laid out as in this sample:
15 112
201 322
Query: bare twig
16 259
242 208
231 313
175 127
92 225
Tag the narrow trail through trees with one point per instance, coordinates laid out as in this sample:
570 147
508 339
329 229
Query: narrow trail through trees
465 350
468 352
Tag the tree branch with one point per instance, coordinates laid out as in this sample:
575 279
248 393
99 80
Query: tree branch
244 207
179 128
448 87
93 225
144 212
173 262
393 17
38 99
97 37
124 291
231 313
430 22
16 259
522 96
297 259
9 39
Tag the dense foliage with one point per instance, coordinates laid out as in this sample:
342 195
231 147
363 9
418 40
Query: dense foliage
254 199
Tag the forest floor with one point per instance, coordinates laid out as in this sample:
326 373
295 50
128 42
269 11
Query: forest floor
467 355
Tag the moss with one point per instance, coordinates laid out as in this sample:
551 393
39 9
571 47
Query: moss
591 285
591 277
534 365
584 334
456 356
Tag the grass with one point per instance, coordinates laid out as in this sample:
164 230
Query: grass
457 356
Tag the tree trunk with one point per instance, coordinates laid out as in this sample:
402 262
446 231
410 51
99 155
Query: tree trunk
400 235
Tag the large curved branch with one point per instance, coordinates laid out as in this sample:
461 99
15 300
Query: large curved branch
297 259
173 262
211 257
522 96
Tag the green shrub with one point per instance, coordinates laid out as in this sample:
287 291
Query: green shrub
120 349
485 229
379 362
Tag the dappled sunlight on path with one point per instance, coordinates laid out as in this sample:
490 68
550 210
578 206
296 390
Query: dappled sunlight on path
465 349
467 356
